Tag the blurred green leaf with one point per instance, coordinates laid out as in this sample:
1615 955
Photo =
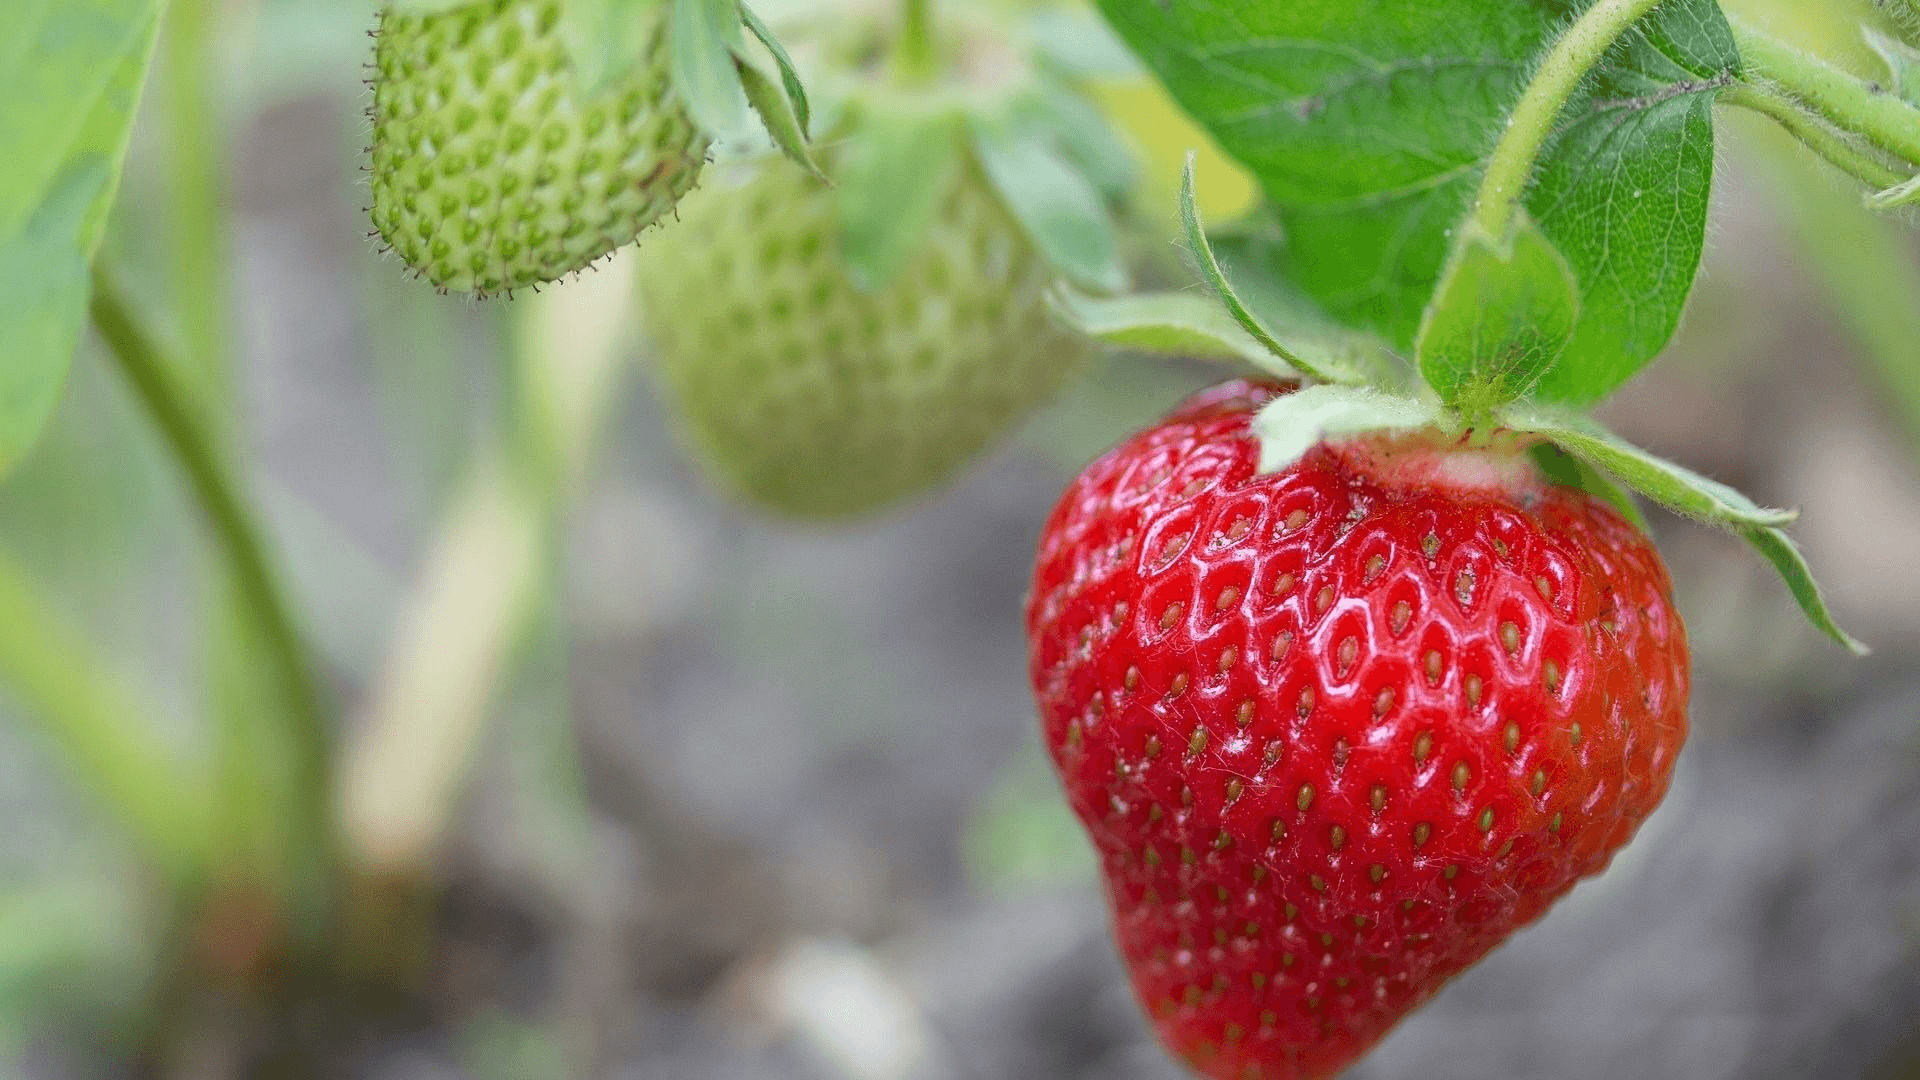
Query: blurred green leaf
789 74
1903 64
606 39
1779 550
704 38
1087 138
425 7
769 99
892 178
1058 207
1021 834
70 78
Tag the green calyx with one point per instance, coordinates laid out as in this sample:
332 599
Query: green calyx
1501 316
517 141
956 97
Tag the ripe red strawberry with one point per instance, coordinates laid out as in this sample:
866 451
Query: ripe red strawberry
1338 730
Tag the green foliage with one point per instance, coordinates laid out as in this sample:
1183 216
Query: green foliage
890 185
1170 324
789 74
1563 468
1675 487
775 106
1367 128
1503 314
1777 548
703 41
1686 492
606 39
70 78
1326 366
1057 205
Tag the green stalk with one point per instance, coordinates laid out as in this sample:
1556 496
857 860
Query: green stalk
99 731
1814 134
1510 168
155 380
195 161
1848 103
918 61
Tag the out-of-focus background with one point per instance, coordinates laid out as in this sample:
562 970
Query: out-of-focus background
764 802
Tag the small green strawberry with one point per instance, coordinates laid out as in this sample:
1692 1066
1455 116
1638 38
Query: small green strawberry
497 165
832 350
806 393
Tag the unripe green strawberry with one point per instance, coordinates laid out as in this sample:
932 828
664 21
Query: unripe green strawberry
815 397
490 171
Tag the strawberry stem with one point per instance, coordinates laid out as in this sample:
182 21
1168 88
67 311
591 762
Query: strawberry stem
1814 134
1870 112
157 382
1510 168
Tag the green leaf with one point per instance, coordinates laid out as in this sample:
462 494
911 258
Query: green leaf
1324 368
70 78
893 175
1684 492
1086 137
789 75
1058 207
1246 256
1367 125
1502 315
1079 45
1185 324
1903 64
1786 558
1569 471
770 100
1675 487
704 39
1290 425
605 39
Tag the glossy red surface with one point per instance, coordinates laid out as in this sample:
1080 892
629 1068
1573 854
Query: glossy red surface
1336 735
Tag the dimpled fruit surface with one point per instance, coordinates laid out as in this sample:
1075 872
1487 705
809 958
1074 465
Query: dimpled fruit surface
809 395
489 170
1338 730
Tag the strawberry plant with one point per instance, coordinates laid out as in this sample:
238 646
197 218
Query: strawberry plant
1350 667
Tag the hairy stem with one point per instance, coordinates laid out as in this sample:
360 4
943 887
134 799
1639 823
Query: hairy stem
1510 168
1848 103
1814 134
196 448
